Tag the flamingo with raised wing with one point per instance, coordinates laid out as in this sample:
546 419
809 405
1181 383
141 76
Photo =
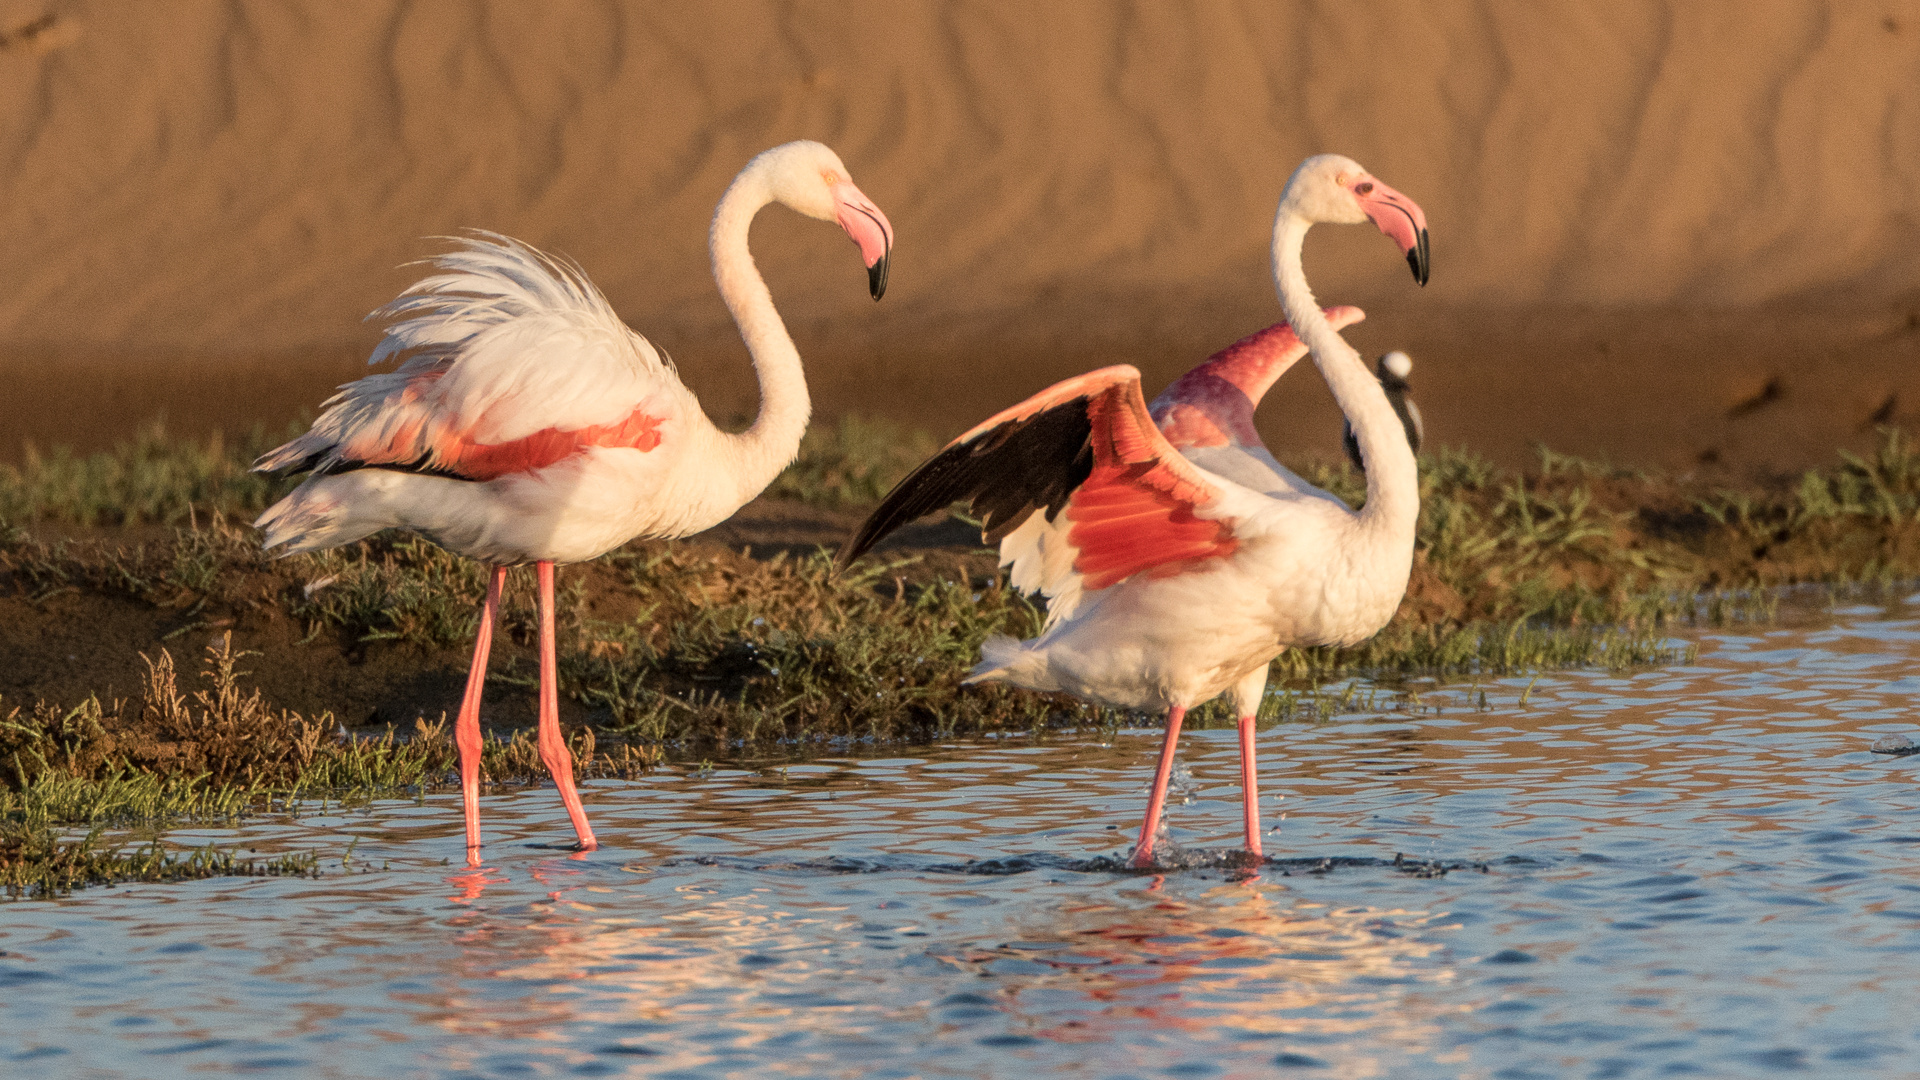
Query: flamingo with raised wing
529 424
1177 556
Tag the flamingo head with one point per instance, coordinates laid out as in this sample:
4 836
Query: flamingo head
1336 190
809 177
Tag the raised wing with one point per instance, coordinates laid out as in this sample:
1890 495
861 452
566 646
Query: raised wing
515 361
1213 404
1115 499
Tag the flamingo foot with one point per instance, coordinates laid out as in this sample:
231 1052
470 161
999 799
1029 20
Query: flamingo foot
466 728
1143 848
553 745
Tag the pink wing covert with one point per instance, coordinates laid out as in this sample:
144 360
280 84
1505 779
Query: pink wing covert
1135 511
1213 404
1088 448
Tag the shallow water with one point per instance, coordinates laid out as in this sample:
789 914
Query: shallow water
1696 870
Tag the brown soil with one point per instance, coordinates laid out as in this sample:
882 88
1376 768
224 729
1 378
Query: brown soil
66 647
63 646
1730 394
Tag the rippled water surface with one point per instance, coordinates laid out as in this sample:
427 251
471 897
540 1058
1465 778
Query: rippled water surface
1696 870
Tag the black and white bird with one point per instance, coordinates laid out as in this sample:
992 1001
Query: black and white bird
1392 371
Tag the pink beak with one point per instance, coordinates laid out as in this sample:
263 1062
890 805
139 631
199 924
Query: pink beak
1400 218
869 228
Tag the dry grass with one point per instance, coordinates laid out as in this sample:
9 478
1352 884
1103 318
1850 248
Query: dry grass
36 863
730 651
692 650
699 650
219 749
853 462
214 753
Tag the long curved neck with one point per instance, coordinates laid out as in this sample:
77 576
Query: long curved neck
1393 480
773 441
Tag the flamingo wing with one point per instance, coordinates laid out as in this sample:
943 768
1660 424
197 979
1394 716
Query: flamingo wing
1213 404
1079 486
515 361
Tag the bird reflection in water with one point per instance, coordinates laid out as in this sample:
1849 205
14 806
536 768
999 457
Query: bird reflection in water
470 882
1244 960
1254 963
474 879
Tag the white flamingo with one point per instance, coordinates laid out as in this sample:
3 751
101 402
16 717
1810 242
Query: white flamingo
1178 557
529 424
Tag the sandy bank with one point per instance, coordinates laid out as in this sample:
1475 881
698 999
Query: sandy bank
1721 194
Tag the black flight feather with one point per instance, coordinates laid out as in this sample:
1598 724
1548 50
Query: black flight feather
1004 474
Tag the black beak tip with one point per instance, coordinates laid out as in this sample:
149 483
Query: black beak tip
877 276
1418 259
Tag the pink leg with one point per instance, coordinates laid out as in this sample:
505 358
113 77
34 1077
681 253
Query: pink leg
1250 786
553 745
1143 850
1247 695
466 729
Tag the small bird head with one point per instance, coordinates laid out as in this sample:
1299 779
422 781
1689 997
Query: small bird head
1335 190
809 177
1397 365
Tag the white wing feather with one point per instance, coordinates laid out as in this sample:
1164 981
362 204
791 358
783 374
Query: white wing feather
522 341
1040 559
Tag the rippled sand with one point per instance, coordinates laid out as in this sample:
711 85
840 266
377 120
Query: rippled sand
1643 214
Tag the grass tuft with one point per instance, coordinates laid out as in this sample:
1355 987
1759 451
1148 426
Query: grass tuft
731 652
687 648
35 863
222 751
696 651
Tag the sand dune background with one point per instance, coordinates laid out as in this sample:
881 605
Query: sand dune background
1664 231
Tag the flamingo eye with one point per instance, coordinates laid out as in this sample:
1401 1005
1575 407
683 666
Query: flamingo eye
1363 188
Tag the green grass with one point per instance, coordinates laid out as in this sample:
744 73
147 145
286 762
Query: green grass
727 652
700 652
1571 563
154 478
406 591
34 862
1578 543
215 754
221 749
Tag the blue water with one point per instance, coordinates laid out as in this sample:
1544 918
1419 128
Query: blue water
1695 871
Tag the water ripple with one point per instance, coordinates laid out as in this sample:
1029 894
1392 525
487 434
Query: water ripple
1699 870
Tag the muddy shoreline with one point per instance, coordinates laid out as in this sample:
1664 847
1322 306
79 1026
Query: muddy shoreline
66 644
1732 394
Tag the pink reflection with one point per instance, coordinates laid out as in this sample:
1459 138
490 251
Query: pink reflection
473 881
1177 966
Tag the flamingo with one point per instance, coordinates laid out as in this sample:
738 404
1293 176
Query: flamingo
1177 556
1392 371
529 424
